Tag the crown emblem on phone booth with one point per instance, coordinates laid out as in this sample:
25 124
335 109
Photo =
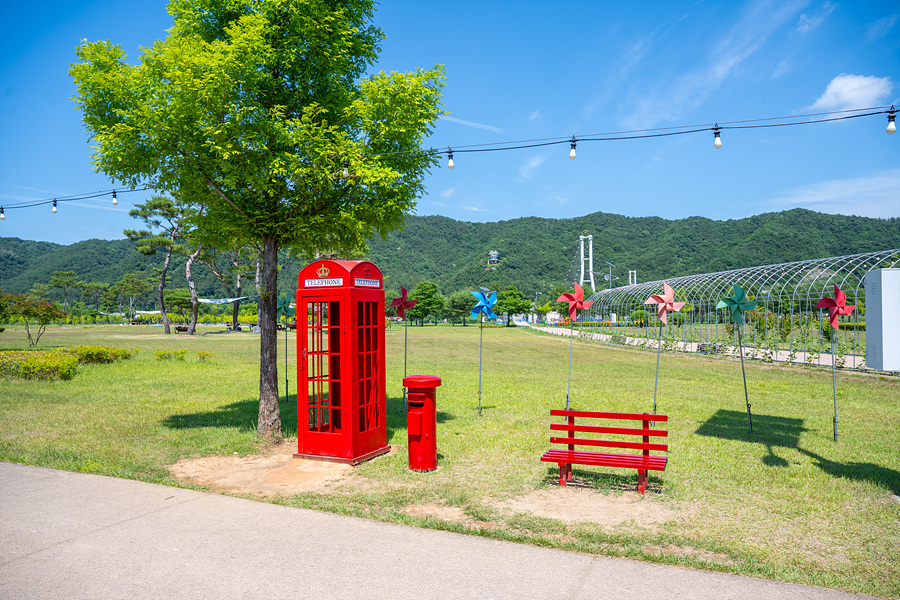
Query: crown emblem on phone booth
367 272
323 271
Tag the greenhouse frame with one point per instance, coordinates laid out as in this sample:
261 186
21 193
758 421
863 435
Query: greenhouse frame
785 327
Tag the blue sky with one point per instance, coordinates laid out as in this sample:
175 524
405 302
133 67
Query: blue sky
532 70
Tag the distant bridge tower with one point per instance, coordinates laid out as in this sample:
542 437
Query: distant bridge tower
589 258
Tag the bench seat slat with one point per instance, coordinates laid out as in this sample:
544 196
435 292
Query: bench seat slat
634 461
606 415
608 443
611 430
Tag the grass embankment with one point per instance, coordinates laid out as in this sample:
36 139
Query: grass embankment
786 503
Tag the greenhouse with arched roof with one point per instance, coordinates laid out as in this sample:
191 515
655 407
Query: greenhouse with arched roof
786 326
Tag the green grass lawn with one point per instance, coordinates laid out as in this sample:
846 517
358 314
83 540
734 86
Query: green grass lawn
786 503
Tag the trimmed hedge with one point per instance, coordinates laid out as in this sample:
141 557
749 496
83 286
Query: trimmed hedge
99 354
38 365
61 363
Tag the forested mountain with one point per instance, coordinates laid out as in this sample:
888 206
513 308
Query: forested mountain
536 253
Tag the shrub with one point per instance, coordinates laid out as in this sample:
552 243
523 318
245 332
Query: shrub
170 354
98 354
205 356
38 365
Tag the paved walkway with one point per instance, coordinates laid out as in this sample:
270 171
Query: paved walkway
72 536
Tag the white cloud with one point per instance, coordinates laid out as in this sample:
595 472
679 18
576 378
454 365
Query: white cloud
853 91
449 191
470 124
875 196
533 162
812 19
881 27
690 90
476 209
535 115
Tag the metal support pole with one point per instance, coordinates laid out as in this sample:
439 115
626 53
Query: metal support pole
744 374
658 350
480 347
405 329
569 388
287 397
834 387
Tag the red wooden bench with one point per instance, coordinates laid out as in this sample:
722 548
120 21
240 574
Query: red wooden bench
643 462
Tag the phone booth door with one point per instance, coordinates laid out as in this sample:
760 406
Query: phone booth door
321 395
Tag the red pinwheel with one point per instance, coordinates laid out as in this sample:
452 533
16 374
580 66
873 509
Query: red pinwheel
576 301
836 306
665 303
402 303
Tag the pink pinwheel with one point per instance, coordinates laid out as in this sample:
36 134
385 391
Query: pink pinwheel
837 306
402 303
576 301
665 303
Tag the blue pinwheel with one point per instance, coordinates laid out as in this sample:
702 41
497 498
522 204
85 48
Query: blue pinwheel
737 304
485 303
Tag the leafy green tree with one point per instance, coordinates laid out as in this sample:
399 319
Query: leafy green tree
512 302
180 301
131 286
459 305
430 301
65 281
165 220
238 262
259 111
95 290
36 314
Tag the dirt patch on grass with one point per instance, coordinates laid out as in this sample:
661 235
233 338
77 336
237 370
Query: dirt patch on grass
578 505
275 473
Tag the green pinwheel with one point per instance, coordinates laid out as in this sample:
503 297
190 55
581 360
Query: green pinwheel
738 304
283 309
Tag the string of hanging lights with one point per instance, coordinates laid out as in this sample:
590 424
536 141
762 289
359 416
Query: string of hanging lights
717 128
54 201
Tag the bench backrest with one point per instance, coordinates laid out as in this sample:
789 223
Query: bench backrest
643 430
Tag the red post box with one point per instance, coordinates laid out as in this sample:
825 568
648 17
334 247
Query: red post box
422 421
341 402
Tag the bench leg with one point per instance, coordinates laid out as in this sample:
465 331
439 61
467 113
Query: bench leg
565 473
642 481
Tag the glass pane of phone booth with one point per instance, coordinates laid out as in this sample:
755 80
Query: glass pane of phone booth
368 322
324 366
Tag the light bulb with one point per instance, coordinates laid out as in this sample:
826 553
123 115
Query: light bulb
54 206
892 127
718 142
450 164
572 151
115 200
2 216
346 172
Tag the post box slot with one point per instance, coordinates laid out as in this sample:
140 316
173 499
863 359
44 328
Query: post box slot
416 404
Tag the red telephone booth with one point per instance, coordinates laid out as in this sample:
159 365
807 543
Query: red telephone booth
341 401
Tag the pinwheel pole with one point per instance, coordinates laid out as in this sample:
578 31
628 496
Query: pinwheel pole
576 301
737 304
402 304
664 304
837 307
482 309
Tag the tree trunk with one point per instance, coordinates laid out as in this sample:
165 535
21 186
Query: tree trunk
195 303
159 290
269 424
236 305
